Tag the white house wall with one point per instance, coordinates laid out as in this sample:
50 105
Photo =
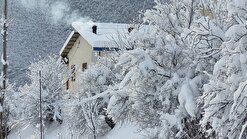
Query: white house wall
80 53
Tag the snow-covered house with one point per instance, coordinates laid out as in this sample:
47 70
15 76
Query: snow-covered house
87 42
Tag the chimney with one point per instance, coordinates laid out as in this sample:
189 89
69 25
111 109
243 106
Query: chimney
94 29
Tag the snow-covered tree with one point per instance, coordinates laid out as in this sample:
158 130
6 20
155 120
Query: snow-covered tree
224 97
12 100
53 73
163 76
184 76
87 113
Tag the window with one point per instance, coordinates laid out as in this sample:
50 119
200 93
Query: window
84 66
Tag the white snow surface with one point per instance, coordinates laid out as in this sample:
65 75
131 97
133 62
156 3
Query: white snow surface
121 131
186 99
124 131
188 95
107 33
240 3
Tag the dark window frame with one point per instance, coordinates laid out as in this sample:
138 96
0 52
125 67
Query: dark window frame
84 66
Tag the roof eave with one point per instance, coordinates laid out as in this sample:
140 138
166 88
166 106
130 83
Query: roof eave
69 43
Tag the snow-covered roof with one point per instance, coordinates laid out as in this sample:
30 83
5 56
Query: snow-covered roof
107 36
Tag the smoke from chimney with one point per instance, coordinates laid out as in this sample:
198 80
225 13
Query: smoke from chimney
60 11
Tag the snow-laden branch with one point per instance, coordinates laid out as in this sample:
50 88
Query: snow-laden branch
244 127
85 100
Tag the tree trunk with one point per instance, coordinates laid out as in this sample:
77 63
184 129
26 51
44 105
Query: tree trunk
5 66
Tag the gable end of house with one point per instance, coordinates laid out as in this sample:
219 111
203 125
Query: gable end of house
69 43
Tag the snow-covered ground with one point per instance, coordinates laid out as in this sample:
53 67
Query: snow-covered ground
123 131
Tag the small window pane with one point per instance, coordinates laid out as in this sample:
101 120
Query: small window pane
84 66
